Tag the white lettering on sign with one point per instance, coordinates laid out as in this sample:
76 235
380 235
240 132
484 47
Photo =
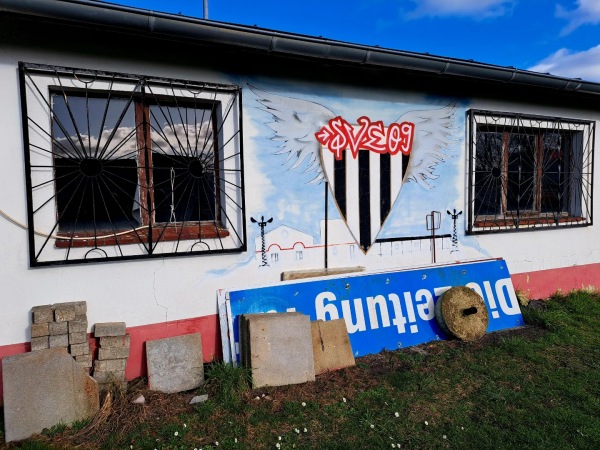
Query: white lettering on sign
421 306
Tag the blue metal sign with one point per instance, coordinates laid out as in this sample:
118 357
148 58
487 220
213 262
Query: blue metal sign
386 311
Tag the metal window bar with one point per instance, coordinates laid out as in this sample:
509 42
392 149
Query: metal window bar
89 142
528 172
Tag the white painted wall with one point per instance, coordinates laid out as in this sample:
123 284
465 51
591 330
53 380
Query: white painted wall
157 290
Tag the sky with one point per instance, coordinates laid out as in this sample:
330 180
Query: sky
561 37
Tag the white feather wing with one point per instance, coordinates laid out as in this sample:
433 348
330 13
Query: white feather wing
295 123
435 133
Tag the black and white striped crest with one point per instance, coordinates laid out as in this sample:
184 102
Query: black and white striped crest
364 188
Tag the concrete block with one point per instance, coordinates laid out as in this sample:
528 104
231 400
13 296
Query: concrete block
80 308
110 365
42 313
79 349
113 353
280 348
175 364
331 345
115 341
63 312
115 385
84 360
39 343
78 325
39 329
108 376
109 329
60 340
78 338
55 328
43 389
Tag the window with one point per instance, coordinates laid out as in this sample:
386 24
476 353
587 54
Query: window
122 166
528 172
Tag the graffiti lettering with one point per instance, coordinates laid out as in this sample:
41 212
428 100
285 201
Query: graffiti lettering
339 135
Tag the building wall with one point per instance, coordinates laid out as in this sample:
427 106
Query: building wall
168 296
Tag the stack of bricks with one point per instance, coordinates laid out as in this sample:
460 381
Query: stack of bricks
113 351
62 325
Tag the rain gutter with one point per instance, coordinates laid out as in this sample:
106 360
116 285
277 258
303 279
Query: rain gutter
208 32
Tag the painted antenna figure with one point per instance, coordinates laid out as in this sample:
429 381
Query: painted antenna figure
454 215
262 224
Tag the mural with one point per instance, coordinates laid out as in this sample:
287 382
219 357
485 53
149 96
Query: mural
366 163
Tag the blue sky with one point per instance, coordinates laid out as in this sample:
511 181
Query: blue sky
561 37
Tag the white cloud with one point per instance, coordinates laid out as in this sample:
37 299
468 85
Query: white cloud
584 64
477 9
587 12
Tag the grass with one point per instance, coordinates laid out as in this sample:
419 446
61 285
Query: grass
535 387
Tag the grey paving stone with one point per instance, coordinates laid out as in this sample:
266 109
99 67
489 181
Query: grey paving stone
109 329
115 341
39 329
278 348
175 364
43 389
42 313
56 328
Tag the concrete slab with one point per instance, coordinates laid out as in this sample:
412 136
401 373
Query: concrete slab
175 364
43 389
278 348
331 345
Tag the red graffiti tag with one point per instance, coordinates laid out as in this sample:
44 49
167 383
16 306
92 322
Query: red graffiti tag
339 135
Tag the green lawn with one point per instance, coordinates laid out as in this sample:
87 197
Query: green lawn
535 387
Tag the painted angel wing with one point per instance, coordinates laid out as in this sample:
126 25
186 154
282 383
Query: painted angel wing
295 122
435 131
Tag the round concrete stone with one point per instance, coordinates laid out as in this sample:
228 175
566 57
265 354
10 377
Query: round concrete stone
461 312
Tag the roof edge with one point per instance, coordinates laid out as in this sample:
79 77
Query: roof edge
205 31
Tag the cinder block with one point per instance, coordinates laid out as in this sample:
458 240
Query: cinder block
78 325
80 308
79 349
331 345
39 329
109 329
60 340
108 376
64 312
280 348
42 313
78 338
118 385
113 353
175 364
58 328
84 360
110 365
39 343
115 341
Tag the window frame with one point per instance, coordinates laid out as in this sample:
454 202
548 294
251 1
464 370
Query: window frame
574 193
225 229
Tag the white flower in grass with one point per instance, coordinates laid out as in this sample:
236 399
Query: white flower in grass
344 399
278 438
426 423
278 445
176 433
305 430
397 414
393 445
235 440
297 430
444 437
184 425
372 426
216 443
303 403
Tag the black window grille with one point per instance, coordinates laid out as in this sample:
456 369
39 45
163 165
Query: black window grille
528 172
122 166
